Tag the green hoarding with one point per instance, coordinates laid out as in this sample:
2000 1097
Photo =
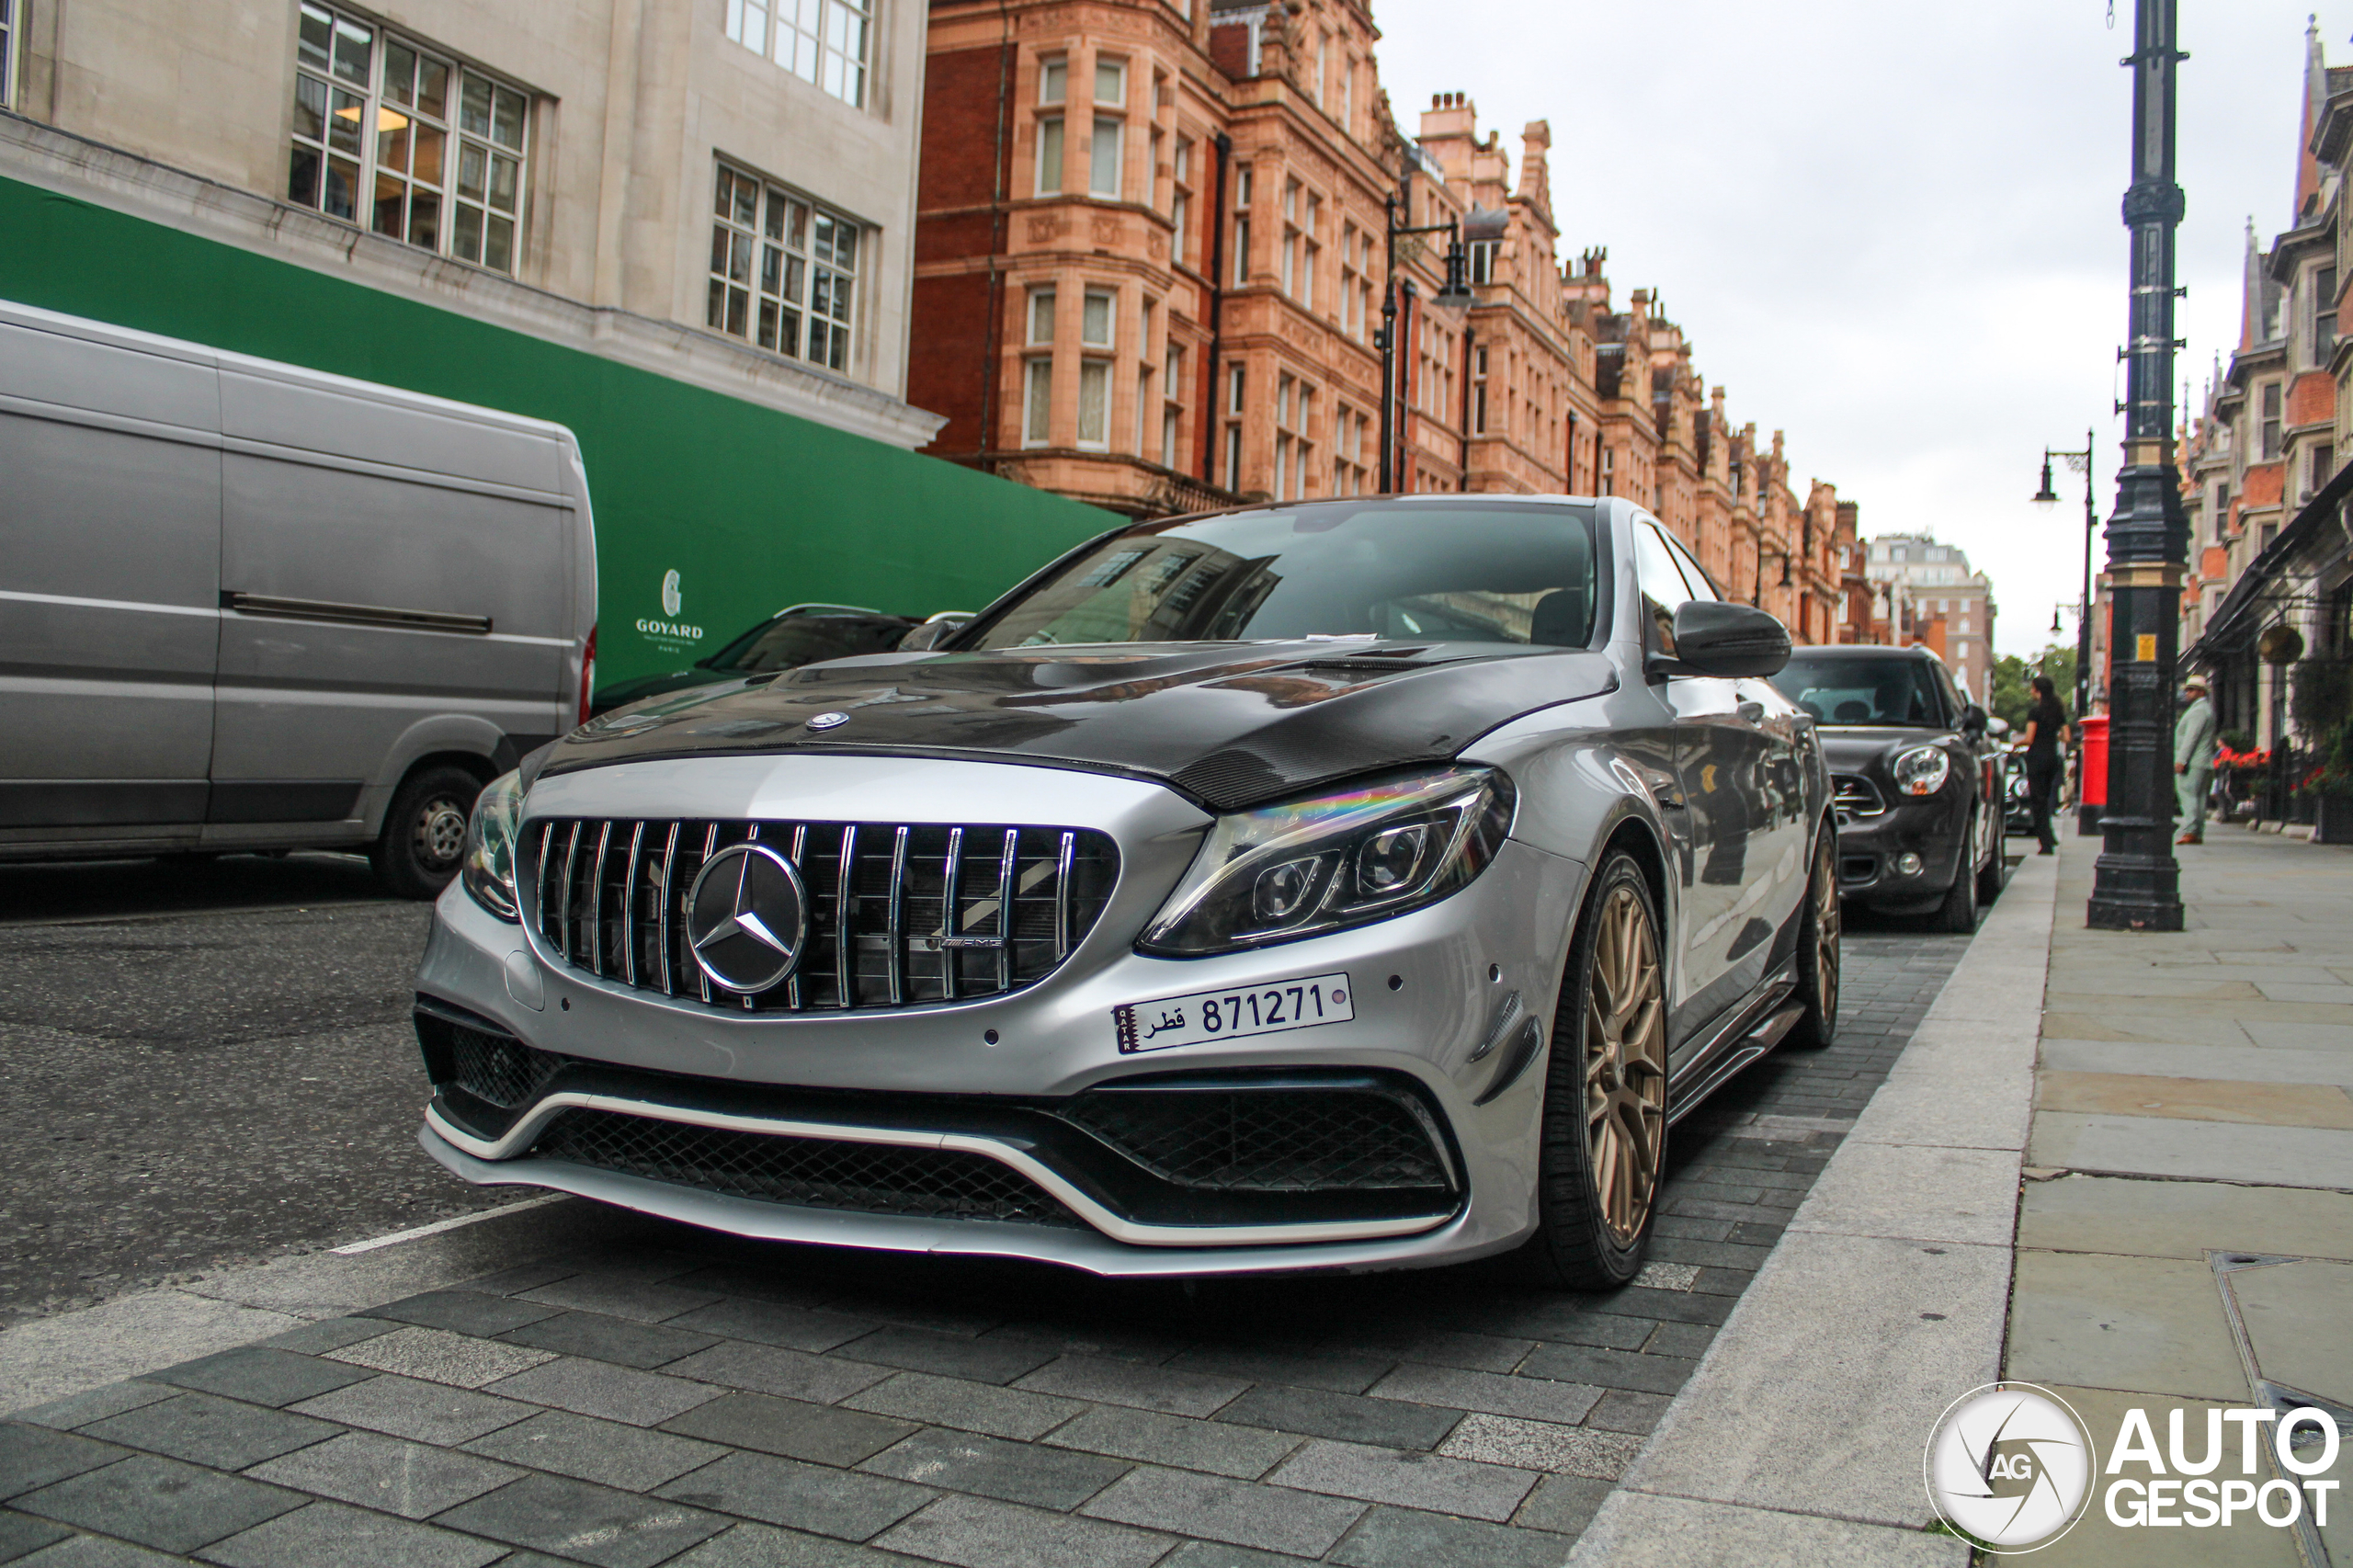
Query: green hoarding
751 508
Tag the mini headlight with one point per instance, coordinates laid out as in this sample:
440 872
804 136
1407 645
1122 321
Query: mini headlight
1336 859
489 869
1923 770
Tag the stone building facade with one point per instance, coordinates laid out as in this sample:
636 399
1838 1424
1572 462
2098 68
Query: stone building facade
1154 266
1933 596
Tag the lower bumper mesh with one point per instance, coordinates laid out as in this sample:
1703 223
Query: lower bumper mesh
1268 1138
812 1173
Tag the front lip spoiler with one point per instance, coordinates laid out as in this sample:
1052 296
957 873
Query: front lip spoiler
520 1136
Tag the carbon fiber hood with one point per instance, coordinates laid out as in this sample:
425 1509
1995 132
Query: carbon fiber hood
1230 724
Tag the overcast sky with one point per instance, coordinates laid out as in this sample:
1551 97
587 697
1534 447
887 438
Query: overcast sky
1892 230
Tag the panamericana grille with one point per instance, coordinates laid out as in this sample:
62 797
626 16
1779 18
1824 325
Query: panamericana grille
1854 796
896 913
502 1071
1267 1140
812 1173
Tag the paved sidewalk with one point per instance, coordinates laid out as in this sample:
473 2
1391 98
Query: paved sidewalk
2191 1160
569 1384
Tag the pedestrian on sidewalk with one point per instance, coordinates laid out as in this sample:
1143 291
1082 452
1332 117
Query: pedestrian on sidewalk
2193 760
2046 742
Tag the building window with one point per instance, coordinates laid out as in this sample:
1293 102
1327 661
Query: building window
2323 314
1479 392
1041 318
1094 403
1609 471
2320 466
1103 157
8 53
1180 202
1111 83
1241 227
2222 512
1482 260
2271 421
783 271
1053 79
443 166
1095 320
1233 384
1233 458
823 43
1049 156
1037 401
1172 385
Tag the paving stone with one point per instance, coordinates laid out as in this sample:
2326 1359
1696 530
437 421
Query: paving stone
35 1456
1410 1479
916 1309
21 1533
772 1323
647 1300
430 1413
765 1546
1340 1374
91 1552
1446 1347
1218 1554
1622 1411
1324 1414
1538 1398
603 1338
1562 1503
96 1404
349 1537
159 1503
805 1496
790 1287
766 1369
1236 1512
522 1276
617 1393
1610 1369
258 1376
968 1407
1402 1537
1108 1382
1012 1472
328 1334
818 1433
1685 1339
438 1356
205 1430
946 1354
386 1474
976 1532
464 1311
1540 1445
585 1523
606 1452
1218 1447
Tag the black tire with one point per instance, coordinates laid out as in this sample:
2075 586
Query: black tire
1597 1096
1819 960
1994 874
1958 913
419 851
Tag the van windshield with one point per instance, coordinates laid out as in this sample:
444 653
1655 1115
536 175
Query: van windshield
790 641
1890 691
1506 572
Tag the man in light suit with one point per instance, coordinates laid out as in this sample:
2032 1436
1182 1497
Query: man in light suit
2193 760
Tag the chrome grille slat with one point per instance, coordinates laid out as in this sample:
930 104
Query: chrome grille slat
898 915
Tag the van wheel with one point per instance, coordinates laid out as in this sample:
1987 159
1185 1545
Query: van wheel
424 832
1604 1139
1818 957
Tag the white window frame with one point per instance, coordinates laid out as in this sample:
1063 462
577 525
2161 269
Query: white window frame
1037 401
1050 171
1095 381
1107 150
784 278
1038 330
1109 299
9 31
826 43
1117 69
1053 79
481 134
1180 200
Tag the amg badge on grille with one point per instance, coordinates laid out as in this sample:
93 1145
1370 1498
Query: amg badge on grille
747 916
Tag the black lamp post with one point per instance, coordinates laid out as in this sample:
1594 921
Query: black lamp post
2136 886
2046 498
1454 296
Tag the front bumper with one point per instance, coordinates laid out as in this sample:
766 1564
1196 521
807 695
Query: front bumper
989 1080
1871 848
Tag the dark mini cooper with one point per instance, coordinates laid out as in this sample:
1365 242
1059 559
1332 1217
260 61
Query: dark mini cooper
1918 787
1343 885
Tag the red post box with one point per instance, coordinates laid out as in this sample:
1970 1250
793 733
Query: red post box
2092 796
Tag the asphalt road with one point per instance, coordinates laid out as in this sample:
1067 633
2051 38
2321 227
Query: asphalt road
226 1081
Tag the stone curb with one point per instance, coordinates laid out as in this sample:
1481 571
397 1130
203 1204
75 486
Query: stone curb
1799 1437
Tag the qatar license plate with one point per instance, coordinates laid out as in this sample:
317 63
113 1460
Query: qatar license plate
1205 1017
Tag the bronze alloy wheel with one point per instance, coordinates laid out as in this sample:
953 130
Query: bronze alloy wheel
1819 929
1625 1065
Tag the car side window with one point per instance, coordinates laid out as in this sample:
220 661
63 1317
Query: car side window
1955 704
1703 586
1662 583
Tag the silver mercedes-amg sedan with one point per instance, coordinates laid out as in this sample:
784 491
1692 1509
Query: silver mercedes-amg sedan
1341 885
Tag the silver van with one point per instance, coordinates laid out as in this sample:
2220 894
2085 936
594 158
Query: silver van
246 606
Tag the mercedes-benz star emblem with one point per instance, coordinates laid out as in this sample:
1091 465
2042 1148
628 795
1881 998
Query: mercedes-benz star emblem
828 720
746 917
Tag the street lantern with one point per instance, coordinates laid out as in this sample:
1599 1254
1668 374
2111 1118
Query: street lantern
2046 498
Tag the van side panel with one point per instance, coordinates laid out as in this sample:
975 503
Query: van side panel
109 588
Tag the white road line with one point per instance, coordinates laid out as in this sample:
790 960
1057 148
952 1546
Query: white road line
438 1226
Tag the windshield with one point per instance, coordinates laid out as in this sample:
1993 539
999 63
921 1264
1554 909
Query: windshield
790 641
1504 573
1894 690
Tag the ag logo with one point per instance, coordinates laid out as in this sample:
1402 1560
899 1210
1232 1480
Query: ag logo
745 917
671 597
2011 1464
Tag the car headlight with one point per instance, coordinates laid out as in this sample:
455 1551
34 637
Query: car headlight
1923 770
489 869
1344 857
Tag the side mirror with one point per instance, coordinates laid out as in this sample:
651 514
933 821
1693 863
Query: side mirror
930 634
1727 639
1973 722
1998 726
